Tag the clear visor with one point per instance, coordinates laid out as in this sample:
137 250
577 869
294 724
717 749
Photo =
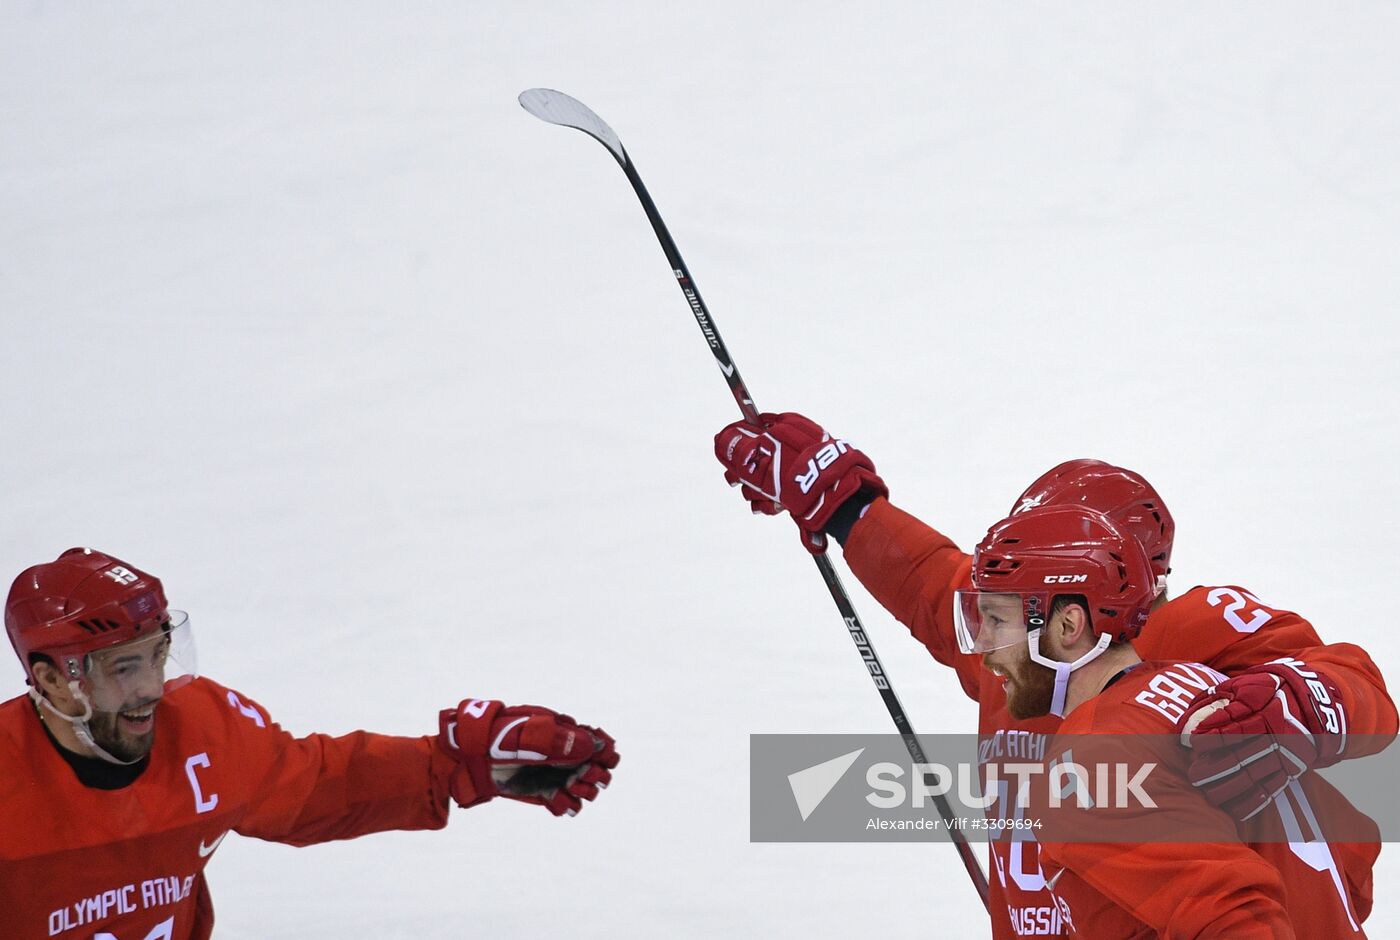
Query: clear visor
992 620
139 672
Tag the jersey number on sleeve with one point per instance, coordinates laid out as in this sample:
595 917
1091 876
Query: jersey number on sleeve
247 710
1238 601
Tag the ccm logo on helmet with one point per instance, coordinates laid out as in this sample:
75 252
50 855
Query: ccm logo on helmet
1065 578
819 462
121 575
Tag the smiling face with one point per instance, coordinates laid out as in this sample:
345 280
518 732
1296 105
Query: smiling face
119 692
1029 686
125 684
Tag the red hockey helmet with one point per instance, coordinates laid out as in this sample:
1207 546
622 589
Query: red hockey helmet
1122 495
1041 553
81 602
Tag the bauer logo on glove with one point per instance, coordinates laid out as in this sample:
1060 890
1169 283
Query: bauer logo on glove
1260 730
823 459
790 463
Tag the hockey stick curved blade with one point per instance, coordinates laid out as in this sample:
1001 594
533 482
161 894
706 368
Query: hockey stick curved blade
559 108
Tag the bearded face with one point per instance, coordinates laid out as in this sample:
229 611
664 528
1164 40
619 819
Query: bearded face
127 735
1029 686
125 684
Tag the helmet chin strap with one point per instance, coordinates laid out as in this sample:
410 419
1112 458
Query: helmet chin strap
1063 670
80 724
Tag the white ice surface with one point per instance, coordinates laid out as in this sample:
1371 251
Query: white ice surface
391 385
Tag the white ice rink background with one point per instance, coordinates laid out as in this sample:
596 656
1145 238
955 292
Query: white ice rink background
391 385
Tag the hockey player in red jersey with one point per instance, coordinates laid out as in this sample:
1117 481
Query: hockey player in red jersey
1057 594
124 769
831 488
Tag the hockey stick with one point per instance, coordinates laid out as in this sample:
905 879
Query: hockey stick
558 108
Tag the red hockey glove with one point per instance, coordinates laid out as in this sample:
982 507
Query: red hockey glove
791 463
1261 730
526 753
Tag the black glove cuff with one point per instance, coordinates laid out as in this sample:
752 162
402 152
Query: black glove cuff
848 513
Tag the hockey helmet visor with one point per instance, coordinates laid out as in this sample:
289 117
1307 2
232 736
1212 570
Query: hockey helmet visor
142 670
993 620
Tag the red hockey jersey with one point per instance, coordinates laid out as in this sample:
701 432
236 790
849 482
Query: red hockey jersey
1217 887
128 864
913 571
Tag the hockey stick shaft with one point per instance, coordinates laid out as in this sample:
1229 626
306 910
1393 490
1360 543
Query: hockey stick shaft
557 108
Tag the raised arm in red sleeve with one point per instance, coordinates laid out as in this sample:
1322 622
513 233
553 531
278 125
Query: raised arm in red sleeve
913 570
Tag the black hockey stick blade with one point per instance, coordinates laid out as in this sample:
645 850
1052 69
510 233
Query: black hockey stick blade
555 107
